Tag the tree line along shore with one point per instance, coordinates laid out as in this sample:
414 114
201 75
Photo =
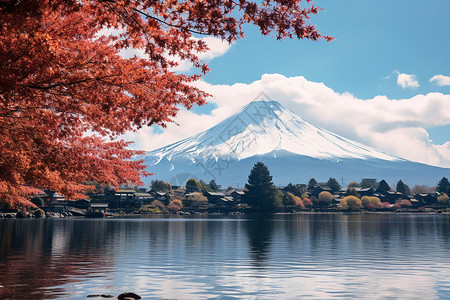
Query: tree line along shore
258 195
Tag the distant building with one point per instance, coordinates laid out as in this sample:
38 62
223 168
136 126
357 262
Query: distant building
238 196
98 207
317 189
164 198
426 198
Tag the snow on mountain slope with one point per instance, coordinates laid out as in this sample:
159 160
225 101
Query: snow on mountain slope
263 127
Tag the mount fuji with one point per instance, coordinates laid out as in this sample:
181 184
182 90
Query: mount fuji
293 149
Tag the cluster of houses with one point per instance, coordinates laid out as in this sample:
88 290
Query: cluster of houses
417 200
128 199
132 200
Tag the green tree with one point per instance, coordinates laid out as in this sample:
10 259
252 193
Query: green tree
312 182
192 185
352 192
261 194
443 185
367 183
290 188
401 187
37 201
297 189
161 186
333 184
213 185
204 187
383 186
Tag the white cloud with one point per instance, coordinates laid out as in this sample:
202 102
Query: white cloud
393 126
216 47
407 81
441 80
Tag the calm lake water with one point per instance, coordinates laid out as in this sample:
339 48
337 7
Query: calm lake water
272 257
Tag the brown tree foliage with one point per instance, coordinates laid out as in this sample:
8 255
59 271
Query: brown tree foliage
175 205
350 202
66 93
374 202
325 198
422 189
196 199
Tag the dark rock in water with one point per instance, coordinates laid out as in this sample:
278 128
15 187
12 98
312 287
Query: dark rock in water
129 296
21 214
93 296
102 296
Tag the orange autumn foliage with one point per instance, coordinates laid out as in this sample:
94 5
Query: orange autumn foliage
66 93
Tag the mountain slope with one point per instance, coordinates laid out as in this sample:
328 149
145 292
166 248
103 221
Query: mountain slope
265 126
296 150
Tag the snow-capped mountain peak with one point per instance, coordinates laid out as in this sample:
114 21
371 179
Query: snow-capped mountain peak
263 127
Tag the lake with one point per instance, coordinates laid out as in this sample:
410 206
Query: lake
302 256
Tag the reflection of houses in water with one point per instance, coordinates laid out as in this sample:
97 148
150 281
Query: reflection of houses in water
52 254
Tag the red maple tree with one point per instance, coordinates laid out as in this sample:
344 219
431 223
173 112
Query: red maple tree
66 93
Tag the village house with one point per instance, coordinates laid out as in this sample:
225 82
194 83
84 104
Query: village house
316 190
191 202
426 198
98 207
345 191
392 197
123 198
164 198
81 204
143 198
53 201
237 195
218 200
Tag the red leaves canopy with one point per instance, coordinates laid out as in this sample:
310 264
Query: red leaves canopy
65 89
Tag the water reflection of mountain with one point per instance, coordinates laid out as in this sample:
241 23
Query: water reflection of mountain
279 256
38 254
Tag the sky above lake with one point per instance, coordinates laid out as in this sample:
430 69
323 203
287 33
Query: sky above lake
384 81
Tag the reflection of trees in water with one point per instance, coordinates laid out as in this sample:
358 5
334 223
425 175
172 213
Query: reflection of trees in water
260 232
36 254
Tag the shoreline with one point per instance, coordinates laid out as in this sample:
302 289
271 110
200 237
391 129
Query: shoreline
137 215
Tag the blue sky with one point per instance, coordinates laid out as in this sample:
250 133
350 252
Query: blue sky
373 38
383 50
